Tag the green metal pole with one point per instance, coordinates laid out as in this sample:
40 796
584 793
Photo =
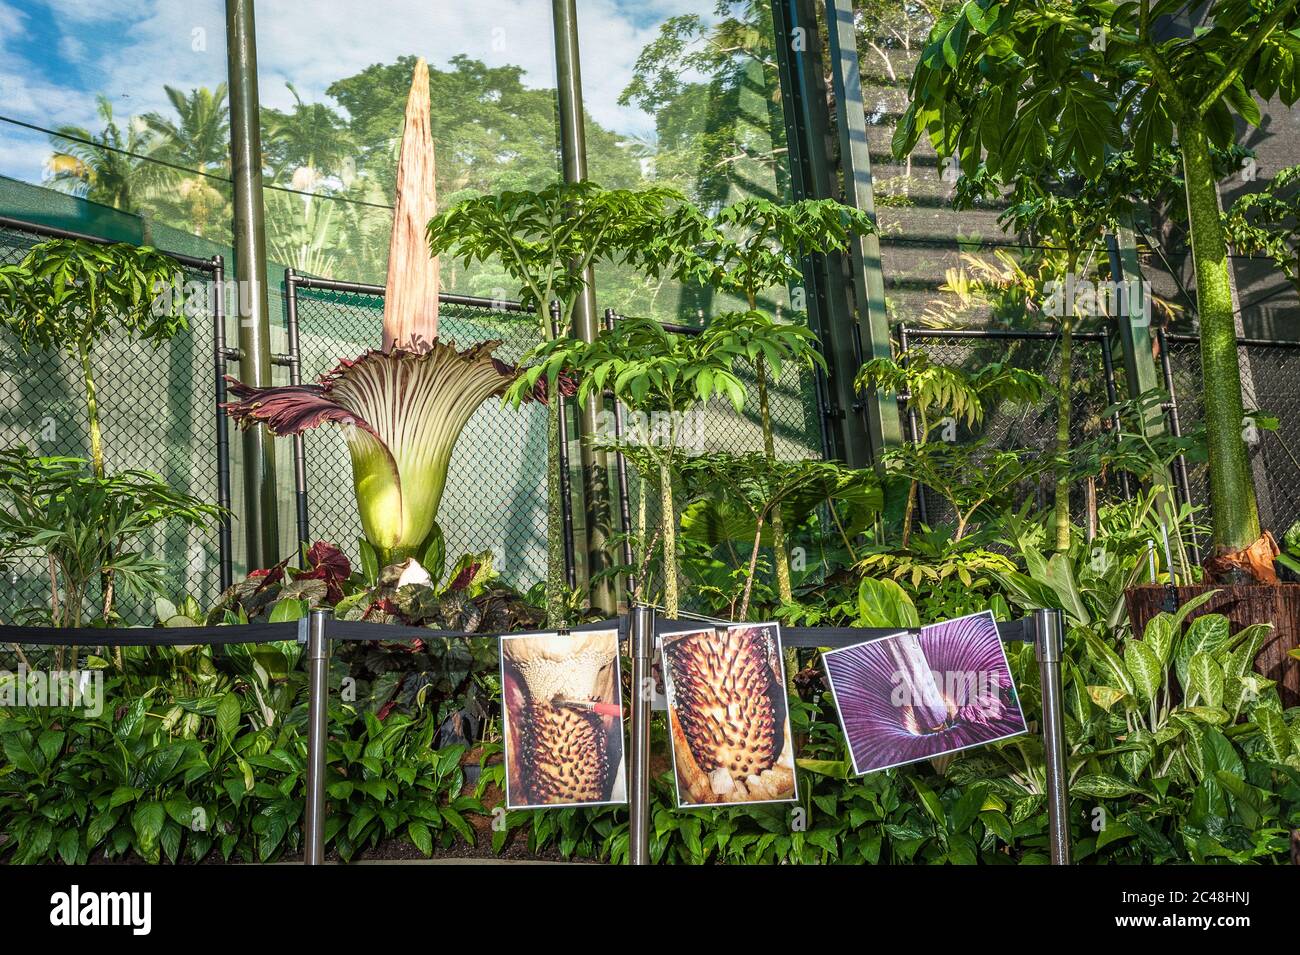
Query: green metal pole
883 427
595 466
813 175
261 518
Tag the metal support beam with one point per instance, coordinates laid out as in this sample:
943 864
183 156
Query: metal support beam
318 668
261 518
224 545
1049 645
299 442
871 322
813 176
641 641
595 464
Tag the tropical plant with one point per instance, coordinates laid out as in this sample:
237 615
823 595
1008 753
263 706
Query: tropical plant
661 377
742 495
546 241
103 167
934 390
68 295
1017 84
188 770
401 408
749 248
970 478
192 153
89 527
944 577
1267 223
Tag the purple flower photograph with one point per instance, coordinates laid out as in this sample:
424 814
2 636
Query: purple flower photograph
909 697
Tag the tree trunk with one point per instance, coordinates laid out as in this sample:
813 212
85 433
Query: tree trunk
556 582
753 568
1235 519
92 411
780 556
1061 507
668 521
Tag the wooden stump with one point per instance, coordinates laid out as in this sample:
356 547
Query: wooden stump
1278 605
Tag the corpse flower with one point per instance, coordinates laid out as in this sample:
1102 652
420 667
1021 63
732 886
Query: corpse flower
401 408
401 412
910 697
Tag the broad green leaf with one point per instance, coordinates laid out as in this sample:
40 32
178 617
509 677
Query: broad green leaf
1106 696
1273 730
1110 663
1145 668
1112 832
1205 678
228 713
1102 786
883 603
1205 634
1060 577
930 801
1159 637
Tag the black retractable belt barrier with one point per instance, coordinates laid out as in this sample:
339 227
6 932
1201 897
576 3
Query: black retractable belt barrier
1045 629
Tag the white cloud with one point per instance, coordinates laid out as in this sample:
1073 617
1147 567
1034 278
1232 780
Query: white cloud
128 49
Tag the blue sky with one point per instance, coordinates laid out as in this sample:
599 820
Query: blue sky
56 55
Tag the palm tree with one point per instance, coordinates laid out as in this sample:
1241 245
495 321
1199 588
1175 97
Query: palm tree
200 141
101 167
311 136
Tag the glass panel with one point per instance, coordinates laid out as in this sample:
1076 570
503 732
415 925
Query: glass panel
125 106
693 100
334 86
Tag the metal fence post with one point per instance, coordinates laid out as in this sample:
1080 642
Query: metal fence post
295 378
641 634
224 533
1182 481
624 502
1049 638
318 664
1112 395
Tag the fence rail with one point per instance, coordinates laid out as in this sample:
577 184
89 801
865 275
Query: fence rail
638 628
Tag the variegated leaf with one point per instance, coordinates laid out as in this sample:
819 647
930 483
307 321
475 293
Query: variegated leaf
1144 666
1205 678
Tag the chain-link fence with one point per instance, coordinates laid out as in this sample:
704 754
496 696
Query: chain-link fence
495 498
1270 383
1096 383
157 413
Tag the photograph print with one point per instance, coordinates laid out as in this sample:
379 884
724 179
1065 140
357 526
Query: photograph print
728 715
909 697
562 719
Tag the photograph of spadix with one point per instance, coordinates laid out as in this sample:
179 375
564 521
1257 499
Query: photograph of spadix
652 432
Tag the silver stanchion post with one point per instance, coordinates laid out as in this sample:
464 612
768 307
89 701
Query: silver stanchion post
641 640
1049 640
318 664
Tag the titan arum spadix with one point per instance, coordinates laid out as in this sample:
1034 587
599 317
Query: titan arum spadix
402 407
